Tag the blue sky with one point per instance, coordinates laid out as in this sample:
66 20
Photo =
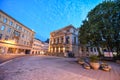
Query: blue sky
45 16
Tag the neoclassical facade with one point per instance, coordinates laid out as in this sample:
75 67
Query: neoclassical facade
64 41
14 36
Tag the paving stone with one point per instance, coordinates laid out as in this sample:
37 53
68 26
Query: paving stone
53 68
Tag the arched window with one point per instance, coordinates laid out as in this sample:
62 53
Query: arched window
67 40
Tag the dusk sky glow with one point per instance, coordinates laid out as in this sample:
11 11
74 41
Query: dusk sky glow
45 16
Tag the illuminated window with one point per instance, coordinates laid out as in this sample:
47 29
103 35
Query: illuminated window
2 28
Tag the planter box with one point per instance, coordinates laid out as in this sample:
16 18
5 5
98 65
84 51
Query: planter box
95 65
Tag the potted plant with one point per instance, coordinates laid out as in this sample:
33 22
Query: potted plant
104 66
81 61
86 66
94 62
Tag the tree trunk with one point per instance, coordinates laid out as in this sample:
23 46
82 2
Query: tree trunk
98 49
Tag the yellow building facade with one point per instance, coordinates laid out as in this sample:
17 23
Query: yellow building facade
14 37
39 47
64 42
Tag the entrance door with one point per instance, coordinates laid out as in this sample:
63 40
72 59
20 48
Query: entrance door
27 51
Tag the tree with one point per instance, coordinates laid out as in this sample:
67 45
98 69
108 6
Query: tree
102 27
47 41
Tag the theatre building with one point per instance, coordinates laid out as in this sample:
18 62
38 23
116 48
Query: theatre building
15 38
64 42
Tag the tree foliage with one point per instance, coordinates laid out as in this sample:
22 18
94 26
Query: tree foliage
101 28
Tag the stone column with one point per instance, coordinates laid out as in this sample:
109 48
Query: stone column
59 49
63 48
59 39
55 49
76 40
64 39
52 40
5 50
70 40
16 52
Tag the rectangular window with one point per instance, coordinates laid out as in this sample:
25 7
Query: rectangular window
11 23
6 37
24 42
74 40
2 28
20 28
27 43
58 40
95 50
16 33
17 27
87 49
74 31
0 36
5 20
91 49
67 40
61 39
23 36
9 30
68 30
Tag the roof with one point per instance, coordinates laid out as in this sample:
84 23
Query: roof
15 20
38 40
67 27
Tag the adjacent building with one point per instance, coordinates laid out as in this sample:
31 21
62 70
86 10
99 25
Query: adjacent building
14 36
87 50
45 47
39 47
64 42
